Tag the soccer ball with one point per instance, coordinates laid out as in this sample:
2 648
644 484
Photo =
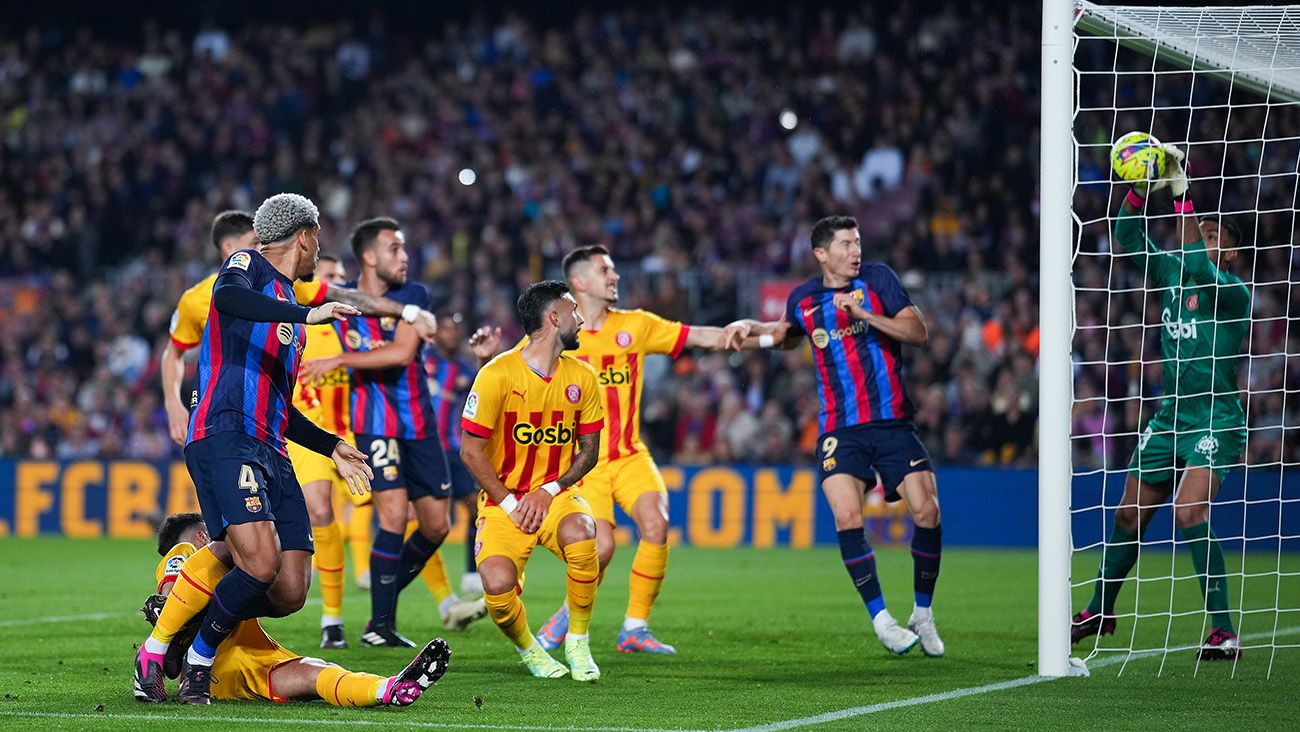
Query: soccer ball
1138 156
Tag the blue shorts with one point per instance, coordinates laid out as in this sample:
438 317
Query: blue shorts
419 466
240 479
462 483
891 449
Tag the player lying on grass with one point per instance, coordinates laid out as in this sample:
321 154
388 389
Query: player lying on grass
1200 428
251 665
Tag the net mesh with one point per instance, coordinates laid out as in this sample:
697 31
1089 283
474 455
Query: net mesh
1222 84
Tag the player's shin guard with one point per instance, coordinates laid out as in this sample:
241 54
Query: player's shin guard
343 688
927 546
647 577
507 611
1118 557
329 562
383 577
236 594
860 561
1207 559
580 583
359 539
190 594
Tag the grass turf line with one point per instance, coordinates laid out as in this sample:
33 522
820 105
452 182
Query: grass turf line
764 636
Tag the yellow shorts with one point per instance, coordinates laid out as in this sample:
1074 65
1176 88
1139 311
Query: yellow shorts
623 481
244 664
310 467
499 537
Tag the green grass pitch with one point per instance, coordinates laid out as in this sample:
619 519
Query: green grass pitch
764 638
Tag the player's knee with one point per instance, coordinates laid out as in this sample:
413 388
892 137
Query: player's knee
926 515
1191 515
576 527
846 519
320 516
498 578
1126 518
654 529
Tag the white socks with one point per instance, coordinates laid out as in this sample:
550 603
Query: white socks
155 646
630 623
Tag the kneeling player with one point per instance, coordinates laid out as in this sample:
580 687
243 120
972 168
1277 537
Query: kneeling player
251 665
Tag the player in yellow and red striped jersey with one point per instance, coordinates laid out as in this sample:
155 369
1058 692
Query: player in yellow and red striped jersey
325 401
527 411
616 342
251 665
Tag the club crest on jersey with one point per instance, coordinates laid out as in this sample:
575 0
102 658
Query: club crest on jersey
623 339
253 504
284 332
240 260
859 296
828 464
471 405
390 473
388 323
573 393
353 340
1193 301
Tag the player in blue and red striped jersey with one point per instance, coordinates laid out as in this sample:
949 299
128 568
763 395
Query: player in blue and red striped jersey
858 317
393 419
235 447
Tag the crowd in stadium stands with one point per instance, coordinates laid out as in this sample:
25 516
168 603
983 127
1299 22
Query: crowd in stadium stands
658 134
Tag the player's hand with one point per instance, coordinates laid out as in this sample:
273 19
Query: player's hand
330 312
485 343
353 467
310 372
426 326
1175 173
780 330
845 301
734 335
178 422
532 511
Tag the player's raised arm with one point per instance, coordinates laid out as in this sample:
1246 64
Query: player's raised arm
423 322
233 295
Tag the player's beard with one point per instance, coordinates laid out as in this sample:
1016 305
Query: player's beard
569 340
393 278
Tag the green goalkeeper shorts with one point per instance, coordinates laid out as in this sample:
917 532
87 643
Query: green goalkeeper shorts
1162 450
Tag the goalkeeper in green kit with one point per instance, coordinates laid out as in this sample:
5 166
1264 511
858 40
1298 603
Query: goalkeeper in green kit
1200 428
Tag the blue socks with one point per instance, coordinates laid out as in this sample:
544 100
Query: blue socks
860 561
234 599
927 546
384 563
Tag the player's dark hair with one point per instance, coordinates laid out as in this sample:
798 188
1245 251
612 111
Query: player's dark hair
169 532
580 255
1225 224
824 230
363 237
536 299
228 224
329 258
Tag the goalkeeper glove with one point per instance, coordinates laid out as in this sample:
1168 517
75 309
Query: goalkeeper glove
1175 174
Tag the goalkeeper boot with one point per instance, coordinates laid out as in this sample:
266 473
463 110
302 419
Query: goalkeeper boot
196 684
577 651
331 636
385 635
1220 646
1087 625
552 634
458 614
641 640
540 663
922 623
149 685
893 636
429 666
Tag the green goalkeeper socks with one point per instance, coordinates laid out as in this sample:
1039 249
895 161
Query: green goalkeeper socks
1207 559
1118 558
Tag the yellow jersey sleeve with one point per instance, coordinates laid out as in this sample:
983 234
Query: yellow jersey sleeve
169 567
310 293
660 335
191 315
591 406
482 412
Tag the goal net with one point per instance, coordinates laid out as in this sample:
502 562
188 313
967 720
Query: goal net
1152 332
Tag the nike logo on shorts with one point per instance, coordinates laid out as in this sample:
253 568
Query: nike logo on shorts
914 463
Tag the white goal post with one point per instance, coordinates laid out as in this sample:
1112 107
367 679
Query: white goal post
1245 50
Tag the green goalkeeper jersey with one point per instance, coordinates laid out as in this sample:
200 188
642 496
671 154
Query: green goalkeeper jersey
1204 318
